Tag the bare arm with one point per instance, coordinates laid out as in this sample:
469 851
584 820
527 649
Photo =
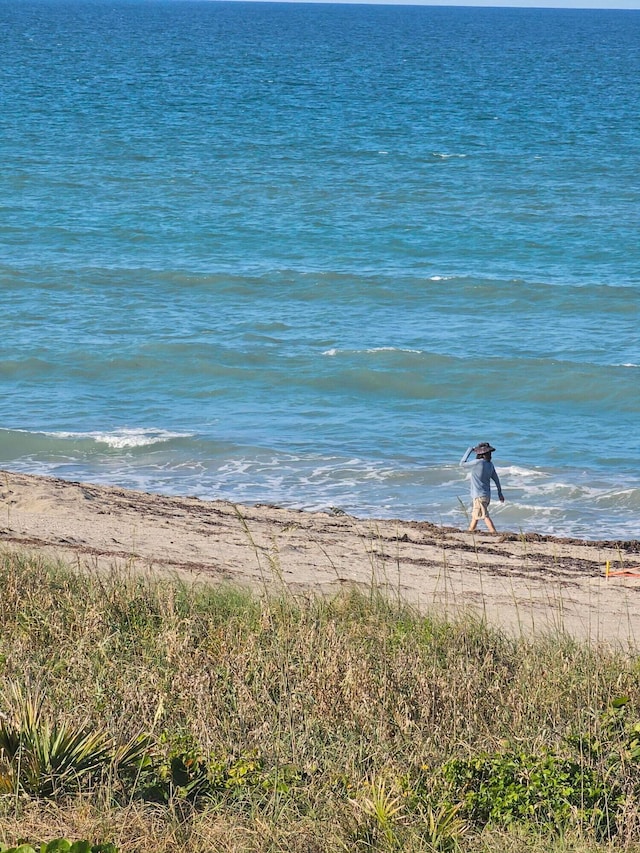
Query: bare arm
496 480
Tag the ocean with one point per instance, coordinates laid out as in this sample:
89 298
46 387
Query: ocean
306 254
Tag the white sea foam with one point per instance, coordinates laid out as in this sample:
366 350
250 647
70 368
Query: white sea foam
442 156
393 349
517 471
535 509
334 351
618 498
122 438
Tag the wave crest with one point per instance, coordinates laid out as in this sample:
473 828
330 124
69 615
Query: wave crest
122 438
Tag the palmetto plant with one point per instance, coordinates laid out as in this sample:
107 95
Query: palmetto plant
383 808
443 828
40 758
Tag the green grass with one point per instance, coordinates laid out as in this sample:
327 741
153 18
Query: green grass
305 724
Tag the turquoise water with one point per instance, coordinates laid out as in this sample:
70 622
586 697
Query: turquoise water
307 254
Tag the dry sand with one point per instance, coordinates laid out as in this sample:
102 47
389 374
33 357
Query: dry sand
522 583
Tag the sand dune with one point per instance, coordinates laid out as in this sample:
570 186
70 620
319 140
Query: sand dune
521 583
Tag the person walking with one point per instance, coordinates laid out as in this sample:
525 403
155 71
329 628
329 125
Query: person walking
482 472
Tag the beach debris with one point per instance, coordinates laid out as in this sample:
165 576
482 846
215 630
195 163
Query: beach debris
629 572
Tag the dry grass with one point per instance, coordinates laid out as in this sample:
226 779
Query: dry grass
346 691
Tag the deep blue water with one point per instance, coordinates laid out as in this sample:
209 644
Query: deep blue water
307 254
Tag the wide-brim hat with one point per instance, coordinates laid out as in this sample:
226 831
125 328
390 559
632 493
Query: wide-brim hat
483 447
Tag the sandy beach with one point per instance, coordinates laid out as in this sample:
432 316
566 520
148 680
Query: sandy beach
519 582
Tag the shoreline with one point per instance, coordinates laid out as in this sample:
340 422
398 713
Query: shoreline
522 583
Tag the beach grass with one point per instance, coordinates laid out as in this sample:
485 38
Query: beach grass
302 723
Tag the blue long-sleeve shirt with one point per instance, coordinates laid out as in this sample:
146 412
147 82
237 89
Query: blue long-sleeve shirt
482 472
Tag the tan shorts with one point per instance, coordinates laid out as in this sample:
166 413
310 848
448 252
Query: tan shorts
480 508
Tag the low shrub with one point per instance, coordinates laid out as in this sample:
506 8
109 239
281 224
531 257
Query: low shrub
545 790
190 775
60 845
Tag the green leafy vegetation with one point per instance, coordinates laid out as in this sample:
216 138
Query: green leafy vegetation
159 715
60 845
543 789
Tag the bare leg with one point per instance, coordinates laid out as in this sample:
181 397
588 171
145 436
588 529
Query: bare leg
490 525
